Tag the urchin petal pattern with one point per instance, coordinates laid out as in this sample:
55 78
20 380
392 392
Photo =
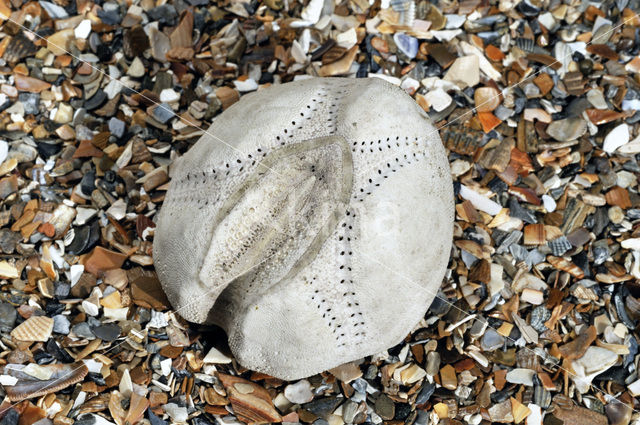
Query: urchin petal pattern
297 206
290 236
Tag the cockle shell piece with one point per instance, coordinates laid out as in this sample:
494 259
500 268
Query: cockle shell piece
313 223
35 328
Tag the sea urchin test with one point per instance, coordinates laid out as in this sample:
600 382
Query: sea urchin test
317 233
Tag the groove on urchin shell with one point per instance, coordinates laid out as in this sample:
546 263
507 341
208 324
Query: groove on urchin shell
190 187
326 104
389 165
352 324
289 212
342 314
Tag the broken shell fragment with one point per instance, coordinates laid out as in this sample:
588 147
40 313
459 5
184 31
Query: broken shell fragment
250 401
58 376
595 361
35 328
289 239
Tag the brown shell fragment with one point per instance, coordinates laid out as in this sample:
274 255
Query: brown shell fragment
618 196
534 234
461 140
599 116
118 413
468 213
137 406
27 386
35 328
480 272
574 83
251 403
565 410
497 158
182 34
566 266
546 60
227 96
576 348
603 50
19 48
30 84
30 413
96 404
212 398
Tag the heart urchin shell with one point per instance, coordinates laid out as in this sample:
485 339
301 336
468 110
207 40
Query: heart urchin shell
318 234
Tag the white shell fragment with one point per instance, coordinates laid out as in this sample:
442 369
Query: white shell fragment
318 233
617 137
215 356
8 380
595 361
479 201
299 393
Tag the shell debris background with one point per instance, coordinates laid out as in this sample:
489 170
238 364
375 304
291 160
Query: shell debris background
98 98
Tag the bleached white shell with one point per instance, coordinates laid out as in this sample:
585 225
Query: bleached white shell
321 236
595 361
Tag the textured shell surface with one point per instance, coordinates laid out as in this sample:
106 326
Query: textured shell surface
318 233
35 328
59 376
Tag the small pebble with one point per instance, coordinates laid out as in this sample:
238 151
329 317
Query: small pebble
107 331
384 407
90 308
8 315
176 413
215 356
116 127
169 96
567 129
408 45
136 69
532 296
491 340
61 324
163 113
299 393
